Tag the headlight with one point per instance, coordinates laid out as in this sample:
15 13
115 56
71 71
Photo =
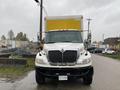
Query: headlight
85 61
40 61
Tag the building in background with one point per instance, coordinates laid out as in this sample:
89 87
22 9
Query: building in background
113 42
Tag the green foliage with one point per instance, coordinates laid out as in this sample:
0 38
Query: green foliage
15 72
30 62
22 37
3 37
115 56
15 56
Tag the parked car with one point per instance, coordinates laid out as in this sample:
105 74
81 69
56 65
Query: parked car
95 50
108 51
98 50
91 49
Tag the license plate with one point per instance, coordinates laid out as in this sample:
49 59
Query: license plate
61 78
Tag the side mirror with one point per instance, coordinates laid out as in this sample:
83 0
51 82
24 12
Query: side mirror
41 46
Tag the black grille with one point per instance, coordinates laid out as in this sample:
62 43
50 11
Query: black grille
55 56
62 58
69 56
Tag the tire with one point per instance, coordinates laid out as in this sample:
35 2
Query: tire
87 80
40 79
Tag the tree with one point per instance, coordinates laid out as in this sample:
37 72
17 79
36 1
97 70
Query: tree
3 37
19 36
22 37
10 35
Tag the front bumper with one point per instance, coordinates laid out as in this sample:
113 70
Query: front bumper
70 72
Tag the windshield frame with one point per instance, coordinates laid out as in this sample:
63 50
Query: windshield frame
67 41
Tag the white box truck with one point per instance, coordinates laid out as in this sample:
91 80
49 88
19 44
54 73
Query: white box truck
63 55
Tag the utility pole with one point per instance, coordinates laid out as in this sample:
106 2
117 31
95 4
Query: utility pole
89 32
89 24
103 37
41 15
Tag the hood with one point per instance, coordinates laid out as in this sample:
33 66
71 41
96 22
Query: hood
63 46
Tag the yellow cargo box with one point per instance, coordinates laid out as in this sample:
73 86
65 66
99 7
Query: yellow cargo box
64 23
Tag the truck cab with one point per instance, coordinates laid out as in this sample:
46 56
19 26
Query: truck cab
63 57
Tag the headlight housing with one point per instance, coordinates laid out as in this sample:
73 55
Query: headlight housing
81 51
40 58
40 61
84 61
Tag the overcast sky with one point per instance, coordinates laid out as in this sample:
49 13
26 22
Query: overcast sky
23 15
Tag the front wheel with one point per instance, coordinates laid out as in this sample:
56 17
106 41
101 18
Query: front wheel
87 80
40 79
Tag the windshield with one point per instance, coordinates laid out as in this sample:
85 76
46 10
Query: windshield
63 36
